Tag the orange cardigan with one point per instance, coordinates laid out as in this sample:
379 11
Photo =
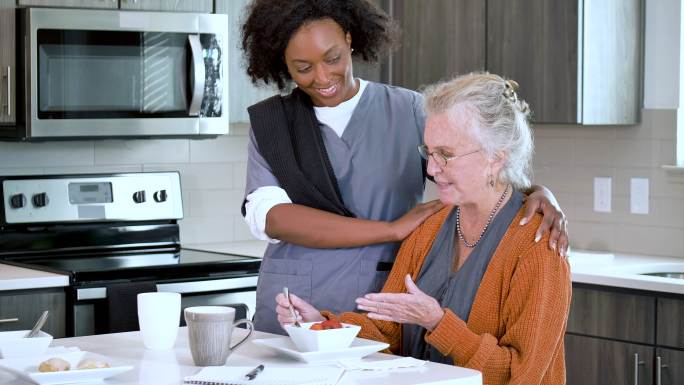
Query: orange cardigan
515 330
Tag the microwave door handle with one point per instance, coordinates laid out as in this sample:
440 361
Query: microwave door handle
198 75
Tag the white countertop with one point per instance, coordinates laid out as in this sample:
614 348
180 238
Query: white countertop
247 248
166 367
622 270
17 278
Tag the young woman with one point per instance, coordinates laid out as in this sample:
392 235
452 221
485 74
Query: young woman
333 178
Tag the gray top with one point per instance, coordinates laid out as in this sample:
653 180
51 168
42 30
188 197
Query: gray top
455 290
380 176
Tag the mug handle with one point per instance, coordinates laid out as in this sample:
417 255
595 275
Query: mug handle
251 329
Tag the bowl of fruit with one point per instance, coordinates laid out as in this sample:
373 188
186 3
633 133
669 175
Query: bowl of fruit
326 335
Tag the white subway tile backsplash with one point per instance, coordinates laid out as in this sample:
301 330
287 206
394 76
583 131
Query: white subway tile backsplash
142 151
594 152
222 149
200 176
242 232
21 155
206 230
104 169
552 152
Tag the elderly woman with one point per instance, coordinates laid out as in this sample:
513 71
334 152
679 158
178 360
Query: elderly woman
469 286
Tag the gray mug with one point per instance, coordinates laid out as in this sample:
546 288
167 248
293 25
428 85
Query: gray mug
210 329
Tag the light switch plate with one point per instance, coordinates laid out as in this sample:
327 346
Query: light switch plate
602 194
639 196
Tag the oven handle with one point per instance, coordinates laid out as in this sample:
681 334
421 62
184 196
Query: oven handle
198 75
179 287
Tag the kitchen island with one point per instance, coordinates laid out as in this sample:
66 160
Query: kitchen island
169 367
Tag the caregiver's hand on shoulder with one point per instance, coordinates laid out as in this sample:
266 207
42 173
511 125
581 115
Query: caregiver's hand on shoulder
542 201
413 307
402 227
304 311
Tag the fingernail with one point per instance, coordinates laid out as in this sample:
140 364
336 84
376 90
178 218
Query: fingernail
523 221
553 246
537 238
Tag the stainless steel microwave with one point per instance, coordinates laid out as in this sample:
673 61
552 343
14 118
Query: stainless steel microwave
103 74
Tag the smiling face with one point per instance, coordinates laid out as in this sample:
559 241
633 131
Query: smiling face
318 58
464 179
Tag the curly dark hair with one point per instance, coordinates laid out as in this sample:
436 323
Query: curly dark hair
271 23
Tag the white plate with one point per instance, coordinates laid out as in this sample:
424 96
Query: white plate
27 368
359 348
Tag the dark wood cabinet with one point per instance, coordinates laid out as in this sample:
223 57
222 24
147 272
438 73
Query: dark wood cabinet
8 68
595 361
615 334
19 310
440 39
671 364
540 53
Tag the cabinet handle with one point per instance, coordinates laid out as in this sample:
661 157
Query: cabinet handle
8 320
659 369
636 368
8 75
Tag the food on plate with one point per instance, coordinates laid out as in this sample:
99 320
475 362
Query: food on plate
92 364
327 324
54 364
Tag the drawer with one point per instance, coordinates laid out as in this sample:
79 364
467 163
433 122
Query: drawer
670 330
612 314
20 309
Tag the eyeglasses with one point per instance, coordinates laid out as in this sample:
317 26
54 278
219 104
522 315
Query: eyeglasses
440 158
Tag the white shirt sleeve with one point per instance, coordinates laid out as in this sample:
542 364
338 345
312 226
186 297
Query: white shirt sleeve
258 204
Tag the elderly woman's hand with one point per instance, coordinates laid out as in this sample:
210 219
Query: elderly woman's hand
413 307
542 200
304 311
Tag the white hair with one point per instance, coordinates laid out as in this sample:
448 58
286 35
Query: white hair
502 119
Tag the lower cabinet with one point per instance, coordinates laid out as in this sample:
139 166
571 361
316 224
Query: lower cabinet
595 361
622 336
20 309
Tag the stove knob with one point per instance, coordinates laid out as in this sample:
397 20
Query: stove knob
17 201
40 199
159 196
139 196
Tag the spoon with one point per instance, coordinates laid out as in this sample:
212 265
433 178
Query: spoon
292 311
39 324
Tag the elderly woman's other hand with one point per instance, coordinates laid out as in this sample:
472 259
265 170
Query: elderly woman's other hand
304 311
542 200
413 307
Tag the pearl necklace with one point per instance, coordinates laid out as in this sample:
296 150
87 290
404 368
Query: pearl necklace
489 221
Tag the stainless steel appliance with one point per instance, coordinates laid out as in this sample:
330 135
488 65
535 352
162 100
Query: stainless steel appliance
115 235
103 73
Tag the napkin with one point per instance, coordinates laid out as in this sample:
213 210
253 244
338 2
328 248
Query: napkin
271 375
404 362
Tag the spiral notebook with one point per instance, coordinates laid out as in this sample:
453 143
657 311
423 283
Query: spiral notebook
271 375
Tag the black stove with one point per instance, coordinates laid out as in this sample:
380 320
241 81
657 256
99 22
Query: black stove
113 235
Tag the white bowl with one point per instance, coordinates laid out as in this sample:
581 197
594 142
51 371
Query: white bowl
307 340
13 344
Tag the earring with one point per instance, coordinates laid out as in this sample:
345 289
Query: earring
352 49
491 181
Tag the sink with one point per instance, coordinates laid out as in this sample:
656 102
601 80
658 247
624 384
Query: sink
666 275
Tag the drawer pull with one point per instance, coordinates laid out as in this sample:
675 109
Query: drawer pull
8 320
637 363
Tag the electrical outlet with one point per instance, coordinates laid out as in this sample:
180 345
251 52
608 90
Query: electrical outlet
602 194
638 197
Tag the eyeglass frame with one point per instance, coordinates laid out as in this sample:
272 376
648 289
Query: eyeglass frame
423 151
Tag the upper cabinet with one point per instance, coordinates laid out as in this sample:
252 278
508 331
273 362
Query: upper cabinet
439 39
8 68
243 93
199 6
70 3
577 61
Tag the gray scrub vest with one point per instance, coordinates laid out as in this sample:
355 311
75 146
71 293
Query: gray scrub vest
380 176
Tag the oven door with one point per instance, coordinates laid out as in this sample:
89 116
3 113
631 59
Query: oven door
97 73
89 313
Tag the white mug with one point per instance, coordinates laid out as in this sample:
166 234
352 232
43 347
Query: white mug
159 319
